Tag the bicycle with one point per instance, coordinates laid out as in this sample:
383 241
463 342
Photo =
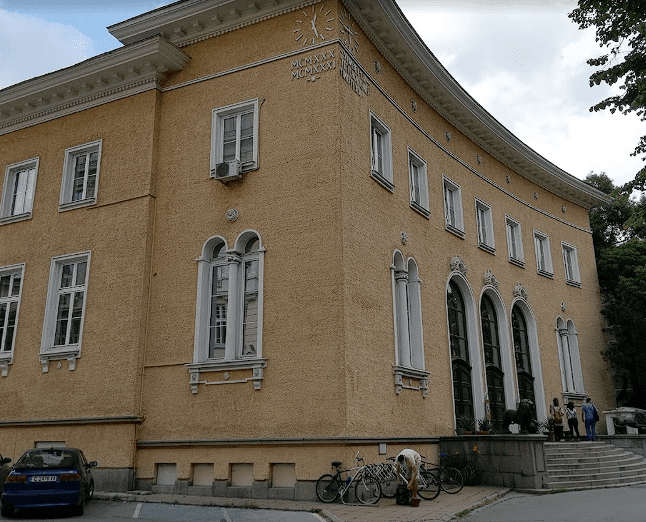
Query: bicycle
330 487
428 486
449 478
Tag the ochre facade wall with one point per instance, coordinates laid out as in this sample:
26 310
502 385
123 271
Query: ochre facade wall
329 233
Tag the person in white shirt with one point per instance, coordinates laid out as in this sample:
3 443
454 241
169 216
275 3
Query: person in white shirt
410 460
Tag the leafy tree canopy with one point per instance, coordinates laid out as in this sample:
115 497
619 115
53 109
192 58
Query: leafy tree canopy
621 29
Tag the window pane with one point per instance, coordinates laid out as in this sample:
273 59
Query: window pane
229 139
11 324
62 320
81 268
220 280
250 321
218 327
450 206
5 281
415 190
3 321
78 183
66 276
15 289
20 190
77 313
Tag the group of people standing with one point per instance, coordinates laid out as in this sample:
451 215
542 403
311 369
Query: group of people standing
589 416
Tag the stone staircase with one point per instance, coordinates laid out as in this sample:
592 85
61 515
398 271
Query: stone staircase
580 465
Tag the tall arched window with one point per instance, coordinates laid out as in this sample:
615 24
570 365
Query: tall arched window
522 356
460 360
493 362
568 344
228 314
408 313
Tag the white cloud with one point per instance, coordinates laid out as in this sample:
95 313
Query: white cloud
30 47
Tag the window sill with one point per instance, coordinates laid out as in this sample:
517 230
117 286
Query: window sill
454 230
13 219
420 209
411 375
517 262
6 358
70 205
382 181
487 248
71 353
543 273
576 284
255 365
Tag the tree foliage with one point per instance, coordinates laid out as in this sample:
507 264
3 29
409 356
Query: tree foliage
621 30
620 250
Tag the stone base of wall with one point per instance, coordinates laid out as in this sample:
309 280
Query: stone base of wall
634 443
303 490
114 479
514 461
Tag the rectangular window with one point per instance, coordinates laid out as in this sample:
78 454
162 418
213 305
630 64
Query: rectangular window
65 309
418 184
381 152
18 191
543 254
234 135
514 242
485 226
80 176
453 214
10 291
571 265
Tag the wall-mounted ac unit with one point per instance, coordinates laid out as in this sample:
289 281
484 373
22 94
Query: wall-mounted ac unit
227 171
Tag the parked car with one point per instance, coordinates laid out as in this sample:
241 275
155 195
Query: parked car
48 478
4 470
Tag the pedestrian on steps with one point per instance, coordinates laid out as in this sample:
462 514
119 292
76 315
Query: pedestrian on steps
572 420
589 416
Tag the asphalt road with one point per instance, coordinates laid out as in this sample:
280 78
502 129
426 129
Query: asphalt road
624 504
112 511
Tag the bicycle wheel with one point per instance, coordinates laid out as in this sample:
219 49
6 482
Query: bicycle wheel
428 485
389 482
327 488
367 489
451 480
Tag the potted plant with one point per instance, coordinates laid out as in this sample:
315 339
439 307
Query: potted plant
465 425
484 426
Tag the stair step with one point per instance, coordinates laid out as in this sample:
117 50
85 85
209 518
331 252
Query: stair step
573 461
638 466
595 483
596 475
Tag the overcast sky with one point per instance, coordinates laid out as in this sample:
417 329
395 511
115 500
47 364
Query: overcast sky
522 60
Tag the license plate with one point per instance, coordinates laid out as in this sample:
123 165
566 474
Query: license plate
44 479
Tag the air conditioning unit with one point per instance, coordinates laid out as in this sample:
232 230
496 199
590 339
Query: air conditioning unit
227 171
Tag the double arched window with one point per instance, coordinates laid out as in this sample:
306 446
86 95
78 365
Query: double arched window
460 357
228 316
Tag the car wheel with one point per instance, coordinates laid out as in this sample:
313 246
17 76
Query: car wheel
80 507
6 511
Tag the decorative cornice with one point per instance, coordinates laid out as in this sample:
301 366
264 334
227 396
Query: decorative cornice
390 31
117 74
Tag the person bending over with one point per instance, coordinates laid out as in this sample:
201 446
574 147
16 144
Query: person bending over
411 461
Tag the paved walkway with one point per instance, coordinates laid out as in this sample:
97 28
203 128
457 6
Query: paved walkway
445 507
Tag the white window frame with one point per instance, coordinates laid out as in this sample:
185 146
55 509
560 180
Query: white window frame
67 185
418 180
381 156
484 225
70 351
27 186
12 272
218 118
453 217
236 356
543 251
407 316
514 241
571 264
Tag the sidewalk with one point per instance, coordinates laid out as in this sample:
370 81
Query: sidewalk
445 507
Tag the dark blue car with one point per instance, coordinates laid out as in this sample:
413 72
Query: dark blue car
48 478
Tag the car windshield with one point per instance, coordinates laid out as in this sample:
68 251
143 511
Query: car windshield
48 458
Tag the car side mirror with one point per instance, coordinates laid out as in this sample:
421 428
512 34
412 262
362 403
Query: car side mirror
92 464
6 460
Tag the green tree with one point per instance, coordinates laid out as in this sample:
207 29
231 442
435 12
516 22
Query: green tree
621 30
620 250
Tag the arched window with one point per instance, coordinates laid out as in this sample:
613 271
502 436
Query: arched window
522 356
228 323
460 360
568 344
493 362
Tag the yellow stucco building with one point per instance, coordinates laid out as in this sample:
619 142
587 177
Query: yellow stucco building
262 236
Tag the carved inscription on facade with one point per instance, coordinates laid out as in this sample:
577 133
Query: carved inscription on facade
310 67
353 75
